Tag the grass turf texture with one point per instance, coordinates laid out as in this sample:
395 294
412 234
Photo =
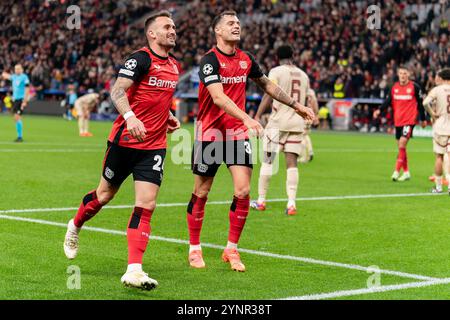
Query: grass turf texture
408 234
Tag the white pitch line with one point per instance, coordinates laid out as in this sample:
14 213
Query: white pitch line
363 291
184 204
254 252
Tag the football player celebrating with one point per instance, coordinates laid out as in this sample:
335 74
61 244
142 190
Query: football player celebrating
405 97
143 95
439 97
222 132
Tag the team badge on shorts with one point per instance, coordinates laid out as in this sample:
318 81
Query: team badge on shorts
202 167
109 173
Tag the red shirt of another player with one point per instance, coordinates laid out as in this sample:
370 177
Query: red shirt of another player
406 102
150 97
213 124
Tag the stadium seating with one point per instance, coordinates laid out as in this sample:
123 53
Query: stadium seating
332 41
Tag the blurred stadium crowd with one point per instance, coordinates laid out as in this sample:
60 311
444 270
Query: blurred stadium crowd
333 45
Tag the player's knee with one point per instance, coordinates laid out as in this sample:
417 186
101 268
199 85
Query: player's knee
104 197
146 204
242 192
201 192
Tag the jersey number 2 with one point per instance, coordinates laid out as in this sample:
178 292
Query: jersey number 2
158 160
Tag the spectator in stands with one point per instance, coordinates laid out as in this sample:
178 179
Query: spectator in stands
339 88
336 43
324 118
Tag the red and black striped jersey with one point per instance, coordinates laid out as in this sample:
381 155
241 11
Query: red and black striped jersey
406 102
233 71
155 79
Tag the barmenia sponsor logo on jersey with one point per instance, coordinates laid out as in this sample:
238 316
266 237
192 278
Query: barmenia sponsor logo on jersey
155 82
233 80
403 97
227 80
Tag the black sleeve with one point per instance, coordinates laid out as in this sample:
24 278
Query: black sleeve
387 103
136 66
419 96
255 71
209 69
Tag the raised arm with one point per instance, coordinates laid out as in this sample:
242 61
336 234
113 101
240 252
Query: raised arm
6 75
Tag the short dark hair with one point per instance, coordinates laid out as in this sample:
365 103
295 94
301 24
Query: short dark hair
444 74
153 16
285 52
219 17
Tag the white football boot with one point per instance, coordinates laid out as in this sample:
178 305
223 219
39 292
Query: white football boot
395 176
405 176
71 240
138 279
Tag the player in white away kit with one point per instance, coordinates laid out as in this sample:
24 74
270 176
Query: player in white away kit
437 104
284 130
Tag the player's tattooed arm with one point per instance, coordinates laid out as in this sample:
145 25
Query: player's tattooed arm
274 91
119 96
120 101
278 94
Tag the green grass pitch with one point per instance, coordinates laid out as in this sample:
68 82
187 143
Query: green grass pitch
54 168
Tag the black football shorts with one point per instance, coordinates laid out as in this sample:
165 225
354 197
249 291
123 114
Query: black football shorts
404 131
17 107
207 156
145 165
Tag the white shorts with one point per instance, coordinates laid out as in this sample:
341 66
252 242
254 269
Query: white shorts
275 141
441 144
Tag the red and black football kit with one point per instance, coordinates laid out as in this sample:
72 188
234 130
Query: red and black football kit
155 79
406 102
150 97
220 137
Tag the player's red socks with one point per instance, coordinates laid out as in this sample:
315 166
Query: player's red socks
238 215
401 159
88 208
195 214
138 234
405 160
